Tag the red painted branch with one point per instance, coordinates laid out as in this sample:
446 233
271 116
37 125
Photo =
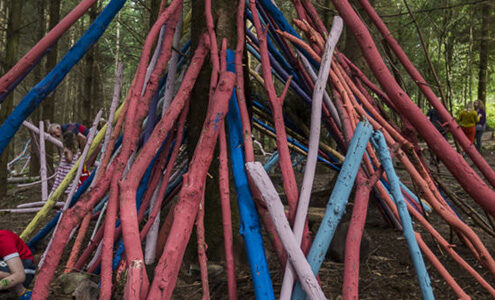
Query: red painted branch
456 131
226 213
190 195
48 40
200 233
289 180
464 174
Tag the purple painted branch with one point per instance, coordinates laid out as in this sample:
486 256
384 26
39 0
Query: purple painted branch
314 139
151 238
172 68
111 116
326 98
277 213
48 137
44 183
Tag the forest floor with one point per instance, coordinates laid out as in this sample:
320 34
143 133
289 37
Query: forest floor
386 273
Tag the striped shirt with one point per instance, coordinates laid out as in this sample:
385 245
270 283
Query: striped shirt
63 169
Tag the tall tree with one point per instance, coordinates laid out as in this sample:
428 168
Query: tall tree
34 164
484 47
48 106
14 22
225 27
89 88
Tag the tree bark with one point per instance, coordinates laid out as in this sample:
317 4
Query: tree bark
34 164
13 25
484 39
89 87
48 106
225 27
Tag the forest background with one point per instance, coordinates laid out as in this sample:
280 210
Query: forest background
455 35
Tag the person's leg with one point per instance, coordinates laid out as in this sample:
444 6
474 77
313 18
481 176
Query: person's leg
477 140
5 272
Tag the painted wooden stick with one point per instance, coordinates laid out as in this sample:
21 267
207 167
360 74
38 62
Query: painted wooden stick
308 280
150 246
189 198
276 102
172 68
314 138
111 116
75 184
338 200
51 37
200 233
48 137
44 183
386 160
228 240
469 180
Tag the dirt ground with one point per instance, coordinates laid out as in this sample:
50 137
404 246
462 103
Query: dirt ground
386 273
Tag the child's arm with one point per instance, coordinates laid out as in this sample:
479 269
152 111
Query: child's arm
16 276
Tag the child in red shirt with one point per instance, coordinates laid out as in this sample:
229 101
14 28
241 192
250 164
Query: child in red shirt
16 264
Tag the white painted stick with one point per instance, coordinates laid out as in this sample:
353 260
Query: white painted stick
73 188
35 182
37 203
27 210
151 237
44 183
314 140
172 68
113 107
277 213
326 97
25 165
98 222
48 137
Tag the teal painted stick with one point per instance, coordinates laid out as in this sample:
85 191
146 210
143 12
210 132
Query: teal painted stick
386 160
338 201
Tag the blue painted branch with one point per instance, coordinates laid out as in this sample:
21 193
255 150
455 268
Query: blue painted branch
386 160
37 94
338 200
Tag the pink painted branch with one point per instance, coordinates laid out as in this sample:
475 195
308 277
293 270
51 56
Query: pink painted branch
190 195
69 220
277 213
314 143
44 183
226 214
214 58
289 179
77 243
200 233
239 73
48 137
137 283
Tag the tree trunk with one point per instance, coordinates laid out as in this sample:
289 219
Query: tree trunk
225 27
13 24
34 164
48 106
485 30
88 91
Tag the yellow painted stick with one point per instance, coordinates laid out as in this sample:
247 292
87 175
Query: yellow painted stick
43 213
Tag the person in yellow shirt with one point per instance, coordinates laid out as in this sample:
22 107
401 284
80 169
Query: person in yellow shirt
467 119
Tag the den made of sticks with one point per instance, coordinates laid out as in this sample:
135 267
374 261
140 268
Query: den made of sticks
248 149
